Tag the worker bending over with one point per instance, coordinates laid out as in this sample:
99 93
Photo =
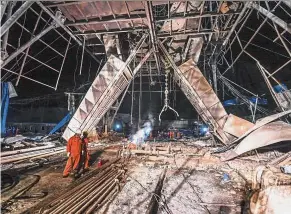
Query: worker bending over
85 153
74 154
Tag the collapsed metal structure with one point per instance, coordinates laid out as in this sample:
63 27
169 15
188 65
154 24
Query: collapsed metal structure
180 36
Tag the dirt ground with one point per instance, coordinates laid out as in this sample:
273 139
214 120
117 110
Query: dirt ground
195 182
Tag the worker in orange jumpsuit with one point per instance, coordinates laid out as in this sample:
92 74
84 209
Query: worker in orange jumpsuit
85 153
74 154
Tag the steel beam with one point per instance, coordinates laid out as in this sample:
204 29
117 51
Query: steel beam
126 18
26 45
59 22
189 32
15 17
106 19
152 28
272 17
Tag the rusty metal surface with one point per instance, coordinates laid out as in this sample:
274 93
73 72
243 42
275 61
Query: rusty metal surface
268 134
202 97
272 200
263 122
237 126
99 9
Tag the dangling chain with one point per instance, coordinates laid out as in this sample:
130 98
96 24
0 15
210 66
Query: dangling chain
166 100
166 89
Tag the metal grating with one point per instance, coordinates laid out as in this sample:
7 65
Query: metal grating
202 97
105 89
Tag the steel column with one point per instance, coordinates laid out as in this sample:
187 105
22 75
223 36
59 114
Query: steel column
15 17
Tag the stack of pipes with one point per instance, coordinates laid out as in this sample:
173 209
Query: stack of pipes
37 152
89 195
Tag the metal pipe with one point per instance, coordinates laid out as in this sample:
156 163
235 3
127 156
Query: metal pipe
81 65
139 100
243 49
5 27
77 188
5 37
88 199
79 195
101 171
283 42
100 198
48 45
36 13
28 78
9 159
27 50
271 16
234 25
66 29
262 70
26 45
3 154
286 63
241 27
96 194
61 69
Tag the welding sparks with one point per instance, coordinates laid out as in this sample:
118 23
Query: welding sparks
141 135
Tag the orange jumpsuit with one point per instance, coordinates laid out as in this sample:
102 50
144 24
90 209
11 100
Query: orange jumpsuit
74 148
86 153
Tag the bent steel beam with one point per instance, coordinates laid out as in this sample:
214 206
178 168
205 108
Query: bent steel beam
15 17
271 133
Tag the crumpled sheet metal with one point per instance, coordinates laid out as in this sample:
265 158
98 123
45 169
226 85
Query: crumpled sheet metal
261 123
268 134
272 200
237 126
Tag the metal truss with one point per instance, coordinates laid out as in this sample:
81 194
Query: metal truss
280 29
